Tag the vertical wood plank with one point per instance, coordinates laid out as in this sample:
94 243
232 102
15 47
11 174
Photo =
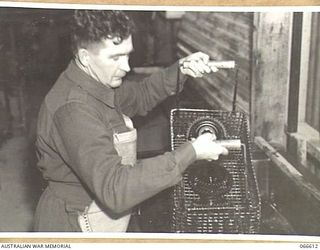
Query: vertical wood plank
305 59
270 73
294 82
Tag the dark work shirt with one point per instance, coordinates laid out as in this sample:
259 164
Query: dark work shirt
75 140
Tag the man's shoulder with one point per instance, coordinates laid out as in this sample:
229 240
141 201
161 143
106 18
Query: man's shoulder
63 92
77 94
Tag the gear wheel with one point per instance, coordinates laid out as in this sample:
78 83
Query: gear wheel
210 180
206 124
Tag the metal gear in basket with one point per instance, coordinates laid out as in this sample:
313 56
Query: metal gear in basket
210 180
206 125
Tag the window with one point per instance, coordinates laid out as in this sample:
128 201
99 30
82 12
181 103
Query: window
304 140
312 108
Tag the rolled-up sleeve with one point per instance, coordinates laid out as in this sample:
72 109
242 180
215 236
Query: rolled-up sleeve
86 146
137 98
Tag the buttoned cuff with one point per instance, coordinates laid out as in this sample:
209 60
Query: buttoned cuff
184 155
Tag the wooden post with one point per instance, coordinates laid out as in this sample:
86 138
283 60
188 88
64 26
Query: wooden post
270 76
294 84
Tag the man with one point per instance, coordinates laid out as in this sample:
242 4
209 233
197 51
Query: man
82 113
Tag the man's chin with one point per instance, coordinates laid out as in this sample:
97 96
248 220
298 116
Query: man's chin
116 83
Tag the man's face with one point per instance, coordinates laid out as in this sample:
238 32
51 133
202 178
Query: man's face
109 62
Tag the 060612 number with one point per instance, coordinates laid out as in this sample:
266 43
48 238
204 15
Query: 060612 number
309 245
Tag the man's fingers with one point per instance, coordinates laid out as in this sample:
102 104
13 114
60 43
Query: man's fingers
215 158
214 69
225 151
214 137
209 136
204 57
196 65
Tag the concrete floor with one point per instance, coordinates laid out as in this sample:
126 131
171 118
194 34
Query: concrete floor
20 185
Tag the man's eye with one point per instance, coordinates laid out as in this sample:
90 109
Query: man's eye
115 58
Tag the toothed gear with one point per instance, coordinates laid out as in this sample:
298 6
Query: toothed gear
206 124
210 180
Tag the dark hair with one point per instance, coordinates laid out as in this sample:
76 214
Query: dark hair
92 26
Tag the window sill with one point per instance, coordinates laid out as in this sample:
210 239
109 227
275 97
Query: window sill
304 146
306 187
312 138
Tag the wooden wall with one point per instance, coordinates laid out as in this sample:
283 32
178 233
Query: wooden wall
224 36
270 76
259 42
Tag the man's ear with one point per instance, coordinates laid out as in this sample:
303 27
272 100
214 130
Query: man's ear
83 57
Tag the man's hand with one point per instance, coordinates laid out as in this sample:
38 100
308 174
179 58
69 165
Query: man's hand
206 148
196 65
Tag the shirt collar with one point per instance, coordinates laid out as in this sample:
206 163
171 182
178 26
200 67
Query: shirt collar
87 83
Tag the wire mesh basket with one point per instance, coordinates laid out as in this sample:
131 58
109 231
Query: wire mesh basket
219 196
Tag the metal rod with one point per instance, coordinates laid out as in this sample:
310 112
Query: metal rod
222 64
234 102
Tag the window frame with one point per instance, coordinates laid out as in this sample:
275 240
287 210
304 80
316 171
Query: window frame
303 140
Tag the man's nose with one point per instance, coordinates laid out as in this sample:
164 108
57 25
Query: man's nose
124 65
